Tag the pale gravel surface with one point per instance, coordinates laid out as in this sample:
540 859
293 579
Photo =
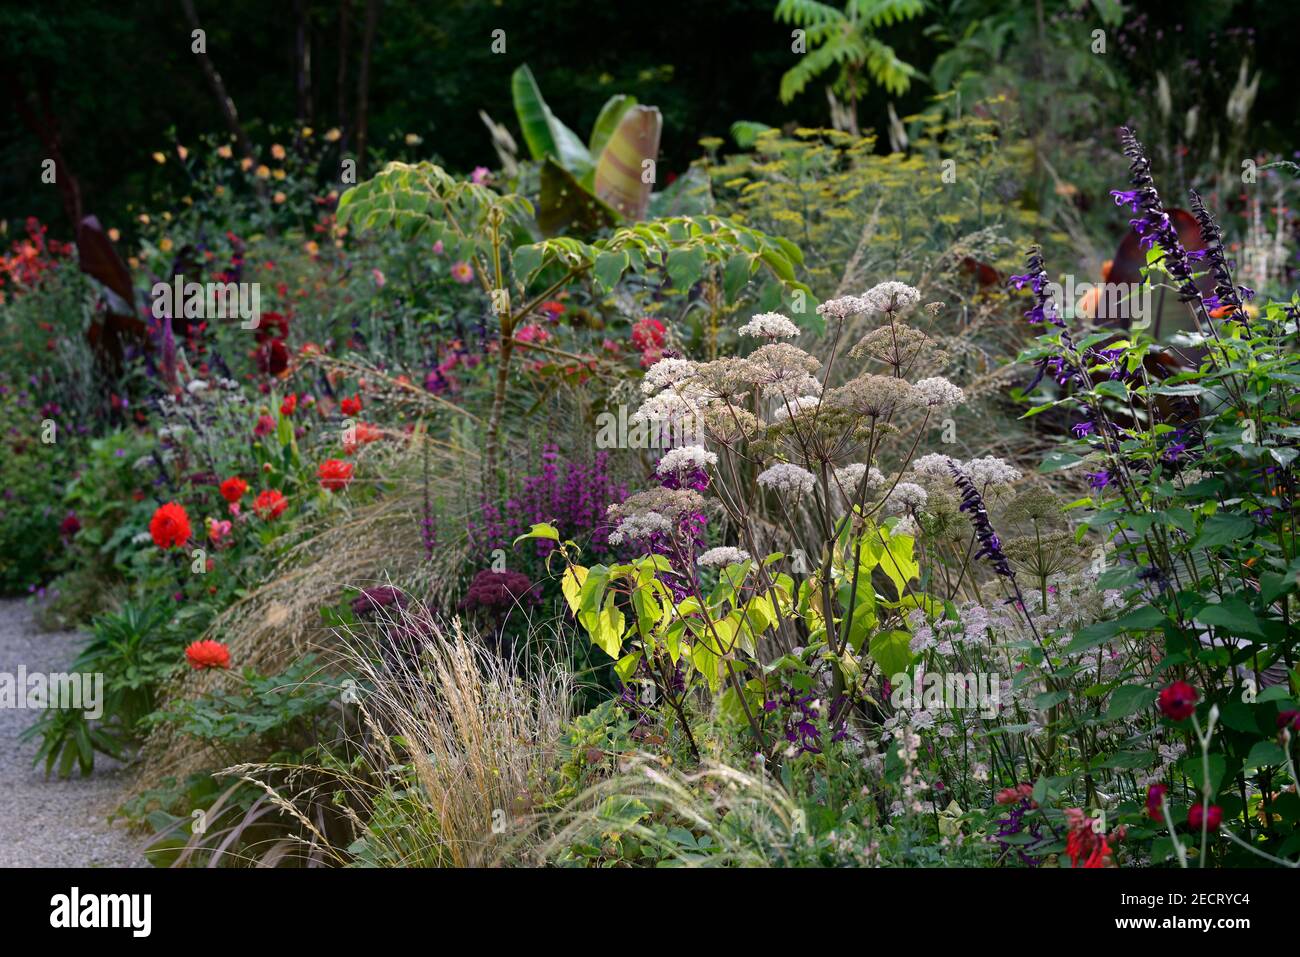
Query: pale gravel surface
52 822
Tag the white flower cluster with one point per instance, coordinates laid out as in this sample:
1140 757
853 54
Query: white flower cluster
722 556
665 373
936 465
849 476
793 407
939 393
906 497
639 527
665 407
905 526
991 470
840 309
685 459
770 325
785 477
895 298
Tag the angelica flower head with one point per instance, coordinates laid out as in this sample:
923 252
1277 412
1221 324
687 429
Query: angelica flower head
665 373
939 393
896 299
837 310
685 459
788 478
722 556
769 325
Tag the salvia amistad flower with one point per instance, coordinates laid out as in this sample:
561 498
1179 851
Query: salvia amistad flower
334 474
1198 814
233 489
973 504
207 654
170 526
1178 701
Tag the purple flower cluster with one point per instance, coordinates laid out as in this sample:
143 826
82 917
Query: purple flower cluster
572 496
1225 293
1014 824
972 502
693 527
801 719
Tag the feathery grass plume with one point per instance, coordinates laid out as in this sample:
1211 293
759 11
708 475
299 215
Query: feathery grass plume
458 739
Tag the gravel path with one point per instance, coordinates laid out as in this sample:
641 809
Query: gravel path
52 822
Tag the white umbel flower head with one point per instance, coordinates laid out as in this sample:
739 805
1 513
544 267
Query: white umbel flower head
722 556
665 373
935 465
639 527
837 310
939 393
991 470
895 298
906 497
785 477
793 407
685 459
849 476
769 325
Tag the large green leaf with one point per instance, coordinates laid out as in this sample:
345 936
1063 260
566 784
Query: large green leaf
542 129
565 206
607 120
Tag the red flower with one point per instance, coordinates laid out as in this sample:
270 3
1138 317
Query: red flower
1178 701
273 357
170 526
265 426
208 654
1288 719
351 404
335 474
363 434
552 309
289 404
648 334
1197 814
1156 797
269 504
233 489
71 525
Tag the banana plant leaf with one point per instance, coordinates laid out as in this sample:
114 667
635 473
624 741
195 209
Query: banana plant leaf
565 206
543 131
607 122
619 181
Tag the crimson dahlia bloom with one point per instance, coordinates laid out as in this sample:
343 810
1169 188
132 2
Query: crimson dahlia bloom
1178 701
233 489
269 504
335 474
351 404
207 654
170 526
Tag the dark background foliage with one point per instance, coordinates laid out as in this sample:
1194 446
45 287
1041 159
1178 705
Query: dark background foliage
120 80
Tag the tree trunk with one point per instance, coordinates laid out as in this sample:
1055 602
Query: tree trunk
363 83
46 128
302 62
345 37
224 102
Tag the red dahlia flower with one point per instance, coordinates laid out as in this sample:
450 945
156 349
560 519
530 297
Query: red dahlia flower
170 526
289 405
335 474
233 489
269 504
1178 701
207 654
351 404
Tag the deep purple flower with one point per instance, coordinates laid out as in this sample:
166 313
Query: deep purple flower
973 504
1081 429
1099 480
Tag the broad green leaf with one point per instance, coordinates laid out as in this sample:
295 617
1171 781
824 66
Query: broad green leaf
543 131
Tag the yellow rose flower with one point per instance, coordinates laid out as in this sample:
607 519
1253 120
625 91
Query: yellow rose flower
165 245
332 135
263 171
159 158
